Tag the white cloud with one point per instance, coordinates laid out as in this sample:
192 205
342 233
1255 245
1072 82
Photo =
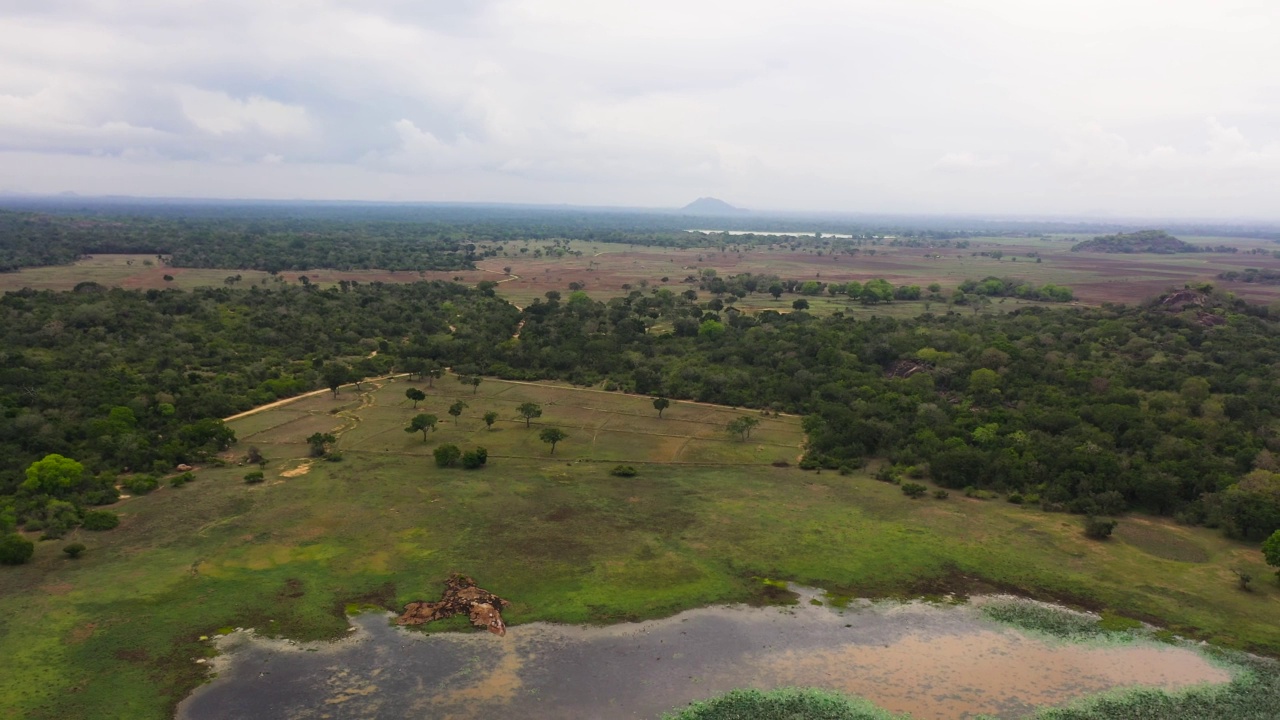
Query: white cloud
219 113
1153 105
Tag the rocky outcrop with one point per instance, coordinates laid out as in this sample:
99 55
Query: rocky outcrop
461 596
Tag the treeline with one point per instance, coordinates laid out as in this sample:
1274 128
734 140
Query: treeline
135 381
1010 287
1167 408
270 244
1252 275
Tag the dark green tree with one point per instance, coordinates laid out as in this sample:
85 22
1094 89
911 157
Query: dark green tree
447 455
456 410
416 396
490 418
529 411
422 423
552 436
661 404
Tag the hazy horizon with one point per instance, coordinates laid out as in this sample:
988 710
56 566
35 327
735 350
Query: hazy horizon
983 108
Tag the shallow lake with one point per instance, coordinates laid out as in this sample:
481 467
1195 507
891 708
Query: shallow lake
932 661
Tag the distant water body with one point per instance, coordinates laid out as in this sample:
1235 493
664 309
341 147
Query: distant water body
934 662
772 234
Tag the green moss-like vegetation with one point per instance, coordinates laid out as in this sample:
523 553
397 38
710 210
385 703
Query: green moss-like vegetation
785 704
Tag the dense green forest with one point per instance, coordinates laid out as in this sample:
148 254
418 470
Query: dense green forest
1168 408
271 244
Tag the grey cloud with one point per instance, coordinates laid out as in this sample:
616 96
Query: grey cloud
1151 105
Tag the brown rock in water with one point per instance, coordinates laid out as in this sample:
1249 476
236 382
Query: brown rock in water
460 596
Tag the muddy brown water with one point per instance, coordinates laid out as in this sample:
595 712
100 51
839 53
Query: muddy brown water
935 662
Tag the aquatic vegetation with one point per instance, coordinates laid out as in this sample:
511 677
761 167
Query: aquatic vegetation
1254 694
1049 619
784 704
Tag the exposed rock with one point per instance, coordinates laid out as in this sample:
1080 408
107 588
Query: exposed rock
905 368
1184 299
460 596
185 468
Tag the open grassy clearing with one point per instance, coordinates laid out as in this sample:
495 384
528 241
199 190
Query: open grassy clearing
609 270
116 633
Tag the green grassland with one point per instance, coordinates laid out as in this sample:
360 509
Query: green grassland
117 632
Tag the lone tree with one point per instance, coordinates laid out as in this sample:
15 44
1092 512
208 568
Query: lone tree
416 396
490 418
320 443
661 404
422 423
551 436
456 410
529 411
1271 551
474 382
335 376
742 426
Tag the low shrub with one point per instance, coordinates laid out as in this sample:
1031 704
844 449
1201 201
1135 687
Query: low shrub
99 520
255 477
74 550
941 494
141 484
1098 528
180 480
475 459
15 549
447 455
914 490
623 471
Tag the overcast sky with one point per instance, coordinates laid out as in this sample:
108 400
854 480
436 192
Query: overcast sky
1133 107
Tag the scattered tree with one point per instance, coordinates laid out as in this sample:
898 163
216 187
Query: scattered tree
335 376
474 382
661 404
456 410
551 436
432 372
529 411
742 426
422 423
800 304
490 418
416 396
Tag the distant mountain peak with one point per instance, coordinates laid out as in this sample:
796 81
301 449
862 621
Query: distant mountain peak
711 206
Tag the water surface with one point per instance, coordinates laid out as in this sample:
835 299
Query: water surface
934 662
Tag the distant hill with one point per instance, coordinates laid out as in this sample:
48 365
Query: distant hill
1143 241
711 206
